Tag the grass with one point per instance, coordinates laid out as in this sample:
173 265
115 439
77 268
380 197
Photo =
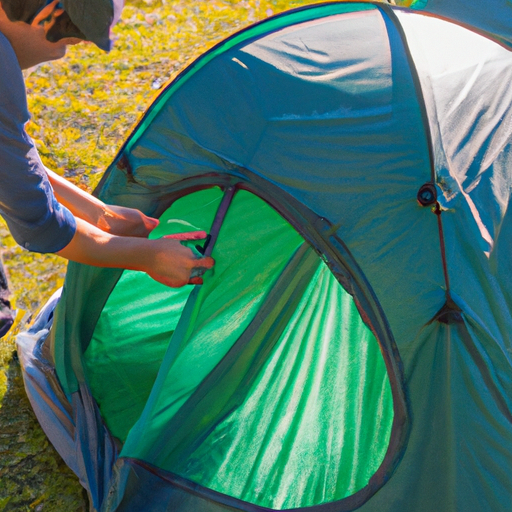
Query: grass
84 106
82 109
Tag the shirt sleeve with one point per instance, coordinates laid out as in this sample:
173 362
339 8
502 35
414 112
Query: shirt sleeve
36 220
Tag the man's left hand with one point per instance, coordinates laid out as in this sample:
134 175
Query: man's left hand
122 221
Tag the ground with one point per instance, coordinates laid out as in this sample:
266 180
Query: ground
82 108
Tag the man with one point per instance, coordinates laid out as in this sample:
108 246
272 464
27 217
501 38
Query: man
44 212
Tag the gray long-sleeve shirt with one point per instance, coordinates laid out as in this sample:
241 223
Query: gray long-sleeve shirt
35 218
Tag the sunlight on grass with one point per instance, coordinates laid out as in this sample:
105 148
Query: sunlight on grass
83 108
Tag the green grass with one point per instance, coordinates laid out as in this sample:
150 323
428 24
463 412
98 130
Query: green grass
83 107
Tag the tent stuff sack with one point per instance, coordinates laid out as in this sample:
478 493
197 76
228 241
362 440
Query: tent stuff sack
350 349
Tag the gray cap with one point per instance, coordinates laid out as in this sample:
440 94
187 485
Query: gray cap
94 18
90 20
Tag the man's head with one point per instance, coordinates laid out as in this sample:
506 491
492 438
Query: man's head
27 10
31 30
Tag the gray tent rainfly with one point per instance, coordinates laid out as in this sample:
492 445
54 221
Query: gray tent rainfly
351 349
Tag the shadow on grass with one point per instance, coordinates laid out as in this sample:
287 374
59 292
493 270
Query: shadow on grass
33 477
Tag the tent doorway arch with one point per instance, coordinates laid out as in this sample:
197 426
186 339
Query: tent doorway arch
272 325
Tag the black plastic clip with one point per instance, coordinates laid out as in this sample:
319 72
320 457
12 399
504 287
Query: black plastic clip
202 248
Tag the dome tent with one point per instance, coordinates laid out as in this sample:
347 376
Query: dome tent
351 347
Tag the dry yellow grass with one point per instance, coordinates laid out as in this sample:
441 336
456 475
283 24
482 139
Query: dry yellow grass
83 107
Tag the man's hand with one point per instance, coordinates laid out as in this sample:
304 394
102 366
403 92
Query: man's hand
176 265
122 221
165 259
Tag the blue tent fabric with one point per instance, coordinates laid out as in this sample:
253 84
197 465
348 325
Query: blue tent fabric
337 119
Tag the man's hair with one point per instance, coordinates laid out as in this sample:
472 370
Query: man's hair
26 10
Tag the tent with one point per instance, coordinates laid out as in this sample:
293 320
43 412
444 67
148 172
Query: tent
351 349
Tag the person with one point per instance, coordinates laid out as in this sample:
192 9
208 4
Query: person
44 212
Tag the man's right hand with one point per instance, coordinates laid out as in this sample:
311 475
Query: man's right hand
164 259
176 265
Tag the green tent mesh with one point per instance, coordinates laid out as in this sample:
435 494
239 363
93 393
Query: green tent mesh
248 380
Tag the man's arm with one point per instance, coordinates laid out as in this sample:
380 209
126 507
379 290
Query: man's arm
165 260
115 220
96 241
36 220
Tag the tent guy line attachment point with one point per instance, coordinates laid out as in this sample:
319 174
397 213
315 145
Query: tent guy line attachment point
427 196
